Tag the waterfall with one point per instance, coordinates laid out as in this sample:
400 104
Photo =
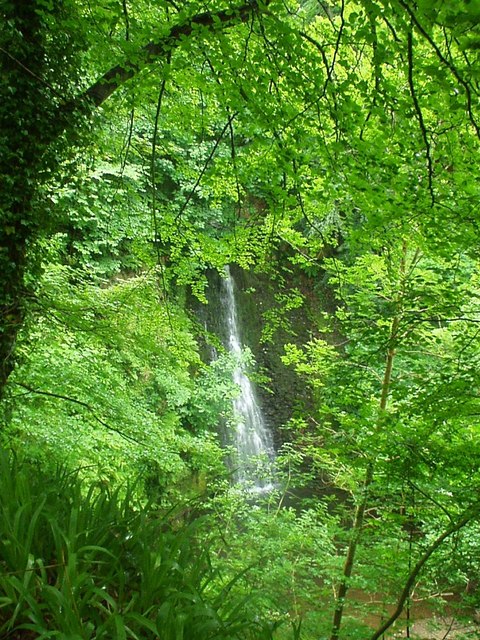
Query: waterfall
253 439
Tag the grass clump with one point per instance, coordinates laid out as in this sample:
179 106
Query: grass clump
83 563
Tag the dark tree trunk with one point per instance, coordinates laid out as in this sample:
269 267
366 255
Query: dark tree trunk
23 111
12 296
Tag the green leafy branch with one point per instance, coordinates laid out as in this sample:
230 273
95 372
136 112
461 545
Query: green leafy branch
81 403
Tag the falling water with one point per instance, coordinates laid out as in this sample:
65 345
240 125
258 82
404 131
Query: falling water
253 439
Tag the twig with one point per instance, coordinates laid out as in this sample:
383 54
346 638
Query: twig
205 167
32 73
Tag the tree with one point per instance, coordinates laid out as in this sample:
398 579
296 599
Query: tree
394 414
35 86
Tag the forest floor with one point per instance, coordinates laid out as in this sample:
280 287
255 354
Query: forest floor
440 628
429 621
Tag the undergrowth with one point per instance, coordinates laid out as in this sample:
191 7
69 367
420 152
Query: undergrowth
83 563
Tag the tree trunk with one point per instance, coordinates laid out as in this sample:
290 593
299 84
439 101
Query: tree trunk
12 297
24 112
362 505
369 472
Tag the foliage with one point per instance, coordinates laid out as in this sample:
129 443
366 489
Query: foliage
81 562
110 386
142 146
289 554
405 332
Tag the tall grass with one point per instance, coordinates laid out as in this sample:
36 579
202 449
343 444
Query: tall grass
83 564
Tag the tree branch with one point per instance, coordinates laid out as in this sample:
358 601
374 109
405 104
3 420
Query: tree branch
205 166
155 51
361 508
85 405
31 73
421 121
448 63
467 517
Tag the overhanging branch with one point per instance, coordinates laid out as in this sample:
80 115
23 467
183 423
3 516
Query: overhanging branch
85 405
156 51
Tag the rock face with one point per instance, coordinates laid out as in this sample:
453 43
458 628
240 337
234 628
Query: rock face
267 328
